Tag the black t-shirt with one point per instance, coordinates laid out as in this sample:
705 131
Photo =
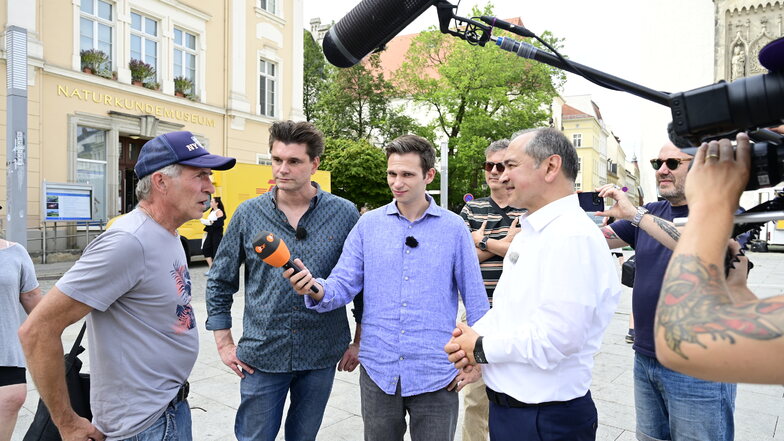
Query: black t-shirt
651 263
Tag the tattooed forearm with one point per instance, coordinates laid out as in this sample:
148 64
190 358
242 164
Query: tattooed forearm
694 302
609 234
667 228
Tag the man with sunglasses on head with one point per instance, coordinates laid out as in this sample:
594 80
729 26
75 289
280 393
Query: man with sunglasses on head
669 405
493 225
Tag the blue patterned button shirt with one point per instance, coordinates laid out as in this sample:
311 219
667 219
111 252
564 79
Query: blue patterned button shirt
279 334
410 294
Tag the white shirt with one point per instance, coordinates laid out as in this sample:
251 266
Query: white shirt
555 298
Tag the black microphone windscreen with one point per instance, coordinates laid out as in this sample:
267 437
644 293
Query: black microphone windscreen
301 233
370 25
680 141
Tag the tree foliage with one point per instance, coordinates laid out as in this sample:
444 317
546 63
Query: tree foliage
354 101
315 74
477 95
358 171
355 110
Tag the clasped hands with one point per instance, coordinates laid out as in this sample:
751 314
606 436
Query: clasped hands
460 351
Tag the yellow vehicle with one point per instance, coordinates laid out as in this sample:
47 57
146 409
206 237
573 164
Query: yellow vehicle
235 186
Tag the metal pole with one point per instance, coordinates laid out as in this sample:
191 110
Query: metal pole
16 133
43 244
445 175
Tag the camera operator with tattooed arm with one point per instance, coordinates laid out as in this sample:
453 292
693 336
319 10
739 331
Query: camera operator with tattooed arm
668 404
706 325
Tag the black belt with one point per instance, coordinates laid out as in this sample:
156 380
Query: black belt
505 400
182 394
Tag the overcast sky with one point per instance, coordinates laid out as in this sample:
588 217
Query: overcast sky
664 45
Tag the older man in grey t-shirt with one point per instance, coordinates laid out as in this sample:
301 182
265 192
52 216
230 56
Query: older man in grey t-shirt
142 331
133 282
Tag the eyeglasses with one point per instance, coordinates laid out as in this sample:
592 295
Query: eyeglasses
672 163
497 165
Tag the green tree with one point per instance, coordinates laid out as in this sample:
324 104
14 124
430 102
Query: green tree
358 171
314 75
478 94
357 103
354 100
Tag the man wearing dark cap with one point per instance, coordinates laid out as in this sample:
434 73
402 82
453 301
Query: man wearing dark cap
133 282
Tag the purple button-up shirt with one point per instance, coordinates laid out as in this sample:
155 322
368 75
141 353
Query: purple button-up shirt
410 292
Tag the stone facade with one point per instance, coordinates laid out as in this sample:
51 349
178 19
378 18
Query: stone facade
743 27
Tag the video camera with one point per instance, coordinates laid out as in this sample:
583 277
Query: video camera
751 104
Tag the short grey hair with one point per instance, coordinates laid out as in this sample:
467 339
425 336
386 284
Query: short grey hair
144 186
549 141
496 146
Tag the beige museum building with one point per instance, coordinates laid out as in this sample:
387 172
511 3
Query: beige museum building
224 70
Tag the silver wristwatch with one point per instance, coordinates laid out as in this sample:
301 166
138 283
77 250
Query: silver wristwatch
638 217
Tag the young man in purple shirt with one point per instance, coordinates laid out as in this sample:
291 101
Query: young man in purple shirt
410 258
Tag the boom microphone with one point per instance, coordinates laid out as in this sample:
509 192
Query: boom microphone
370 25
273 251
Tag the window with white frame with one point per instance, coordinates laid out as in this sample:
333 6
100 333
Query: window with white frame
184 58
96 27
577 140
91 165
144 39
263 159
269 6
268 83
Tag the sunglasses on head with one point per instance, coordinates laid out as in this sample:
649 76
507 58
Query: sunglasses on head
672 163
497 165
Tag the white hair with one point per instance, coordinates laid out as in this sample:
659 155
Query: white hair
144 186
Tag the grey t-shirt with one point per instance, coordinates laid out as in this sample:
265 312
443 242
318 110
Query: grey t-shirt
142 335
17 275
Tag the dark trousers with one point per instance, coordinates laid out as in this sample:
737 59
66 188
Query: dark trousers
574 420
433 415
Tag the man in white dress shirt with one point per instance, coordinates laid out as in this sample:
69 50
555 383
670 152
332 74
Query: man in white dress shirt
554 300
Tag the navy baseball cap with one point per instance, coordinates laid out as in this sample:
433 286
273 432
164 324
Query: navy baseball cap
177 148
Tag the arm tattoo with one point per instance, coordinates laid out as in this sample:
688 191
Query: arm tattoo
609 234
694 303
667 228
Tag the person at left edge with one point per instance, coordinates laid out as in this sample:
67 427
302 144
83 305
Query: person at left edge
19 294
410 258
285 348
133 282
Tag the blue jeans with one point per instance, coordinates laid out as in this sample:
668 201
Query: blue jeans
674 406
263 396
173 425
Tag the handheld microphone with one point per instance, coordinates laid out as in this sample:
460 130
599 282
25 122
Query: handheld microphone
370 25
273 251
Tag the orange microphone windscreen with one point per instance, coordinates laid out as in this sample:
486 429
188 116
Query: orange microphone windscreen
271 249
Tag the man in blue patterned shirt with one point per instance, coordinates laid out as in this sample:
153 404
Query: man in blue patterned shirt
410 258
284 346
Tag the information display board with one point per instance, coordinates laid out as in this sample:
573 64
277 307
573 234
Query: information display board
66 202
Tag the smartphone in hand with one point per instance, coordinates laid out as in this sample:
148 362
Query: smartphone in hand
590 201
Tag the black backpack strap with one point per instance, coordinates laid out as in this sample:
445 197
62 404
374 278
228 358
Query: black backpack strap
75 349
